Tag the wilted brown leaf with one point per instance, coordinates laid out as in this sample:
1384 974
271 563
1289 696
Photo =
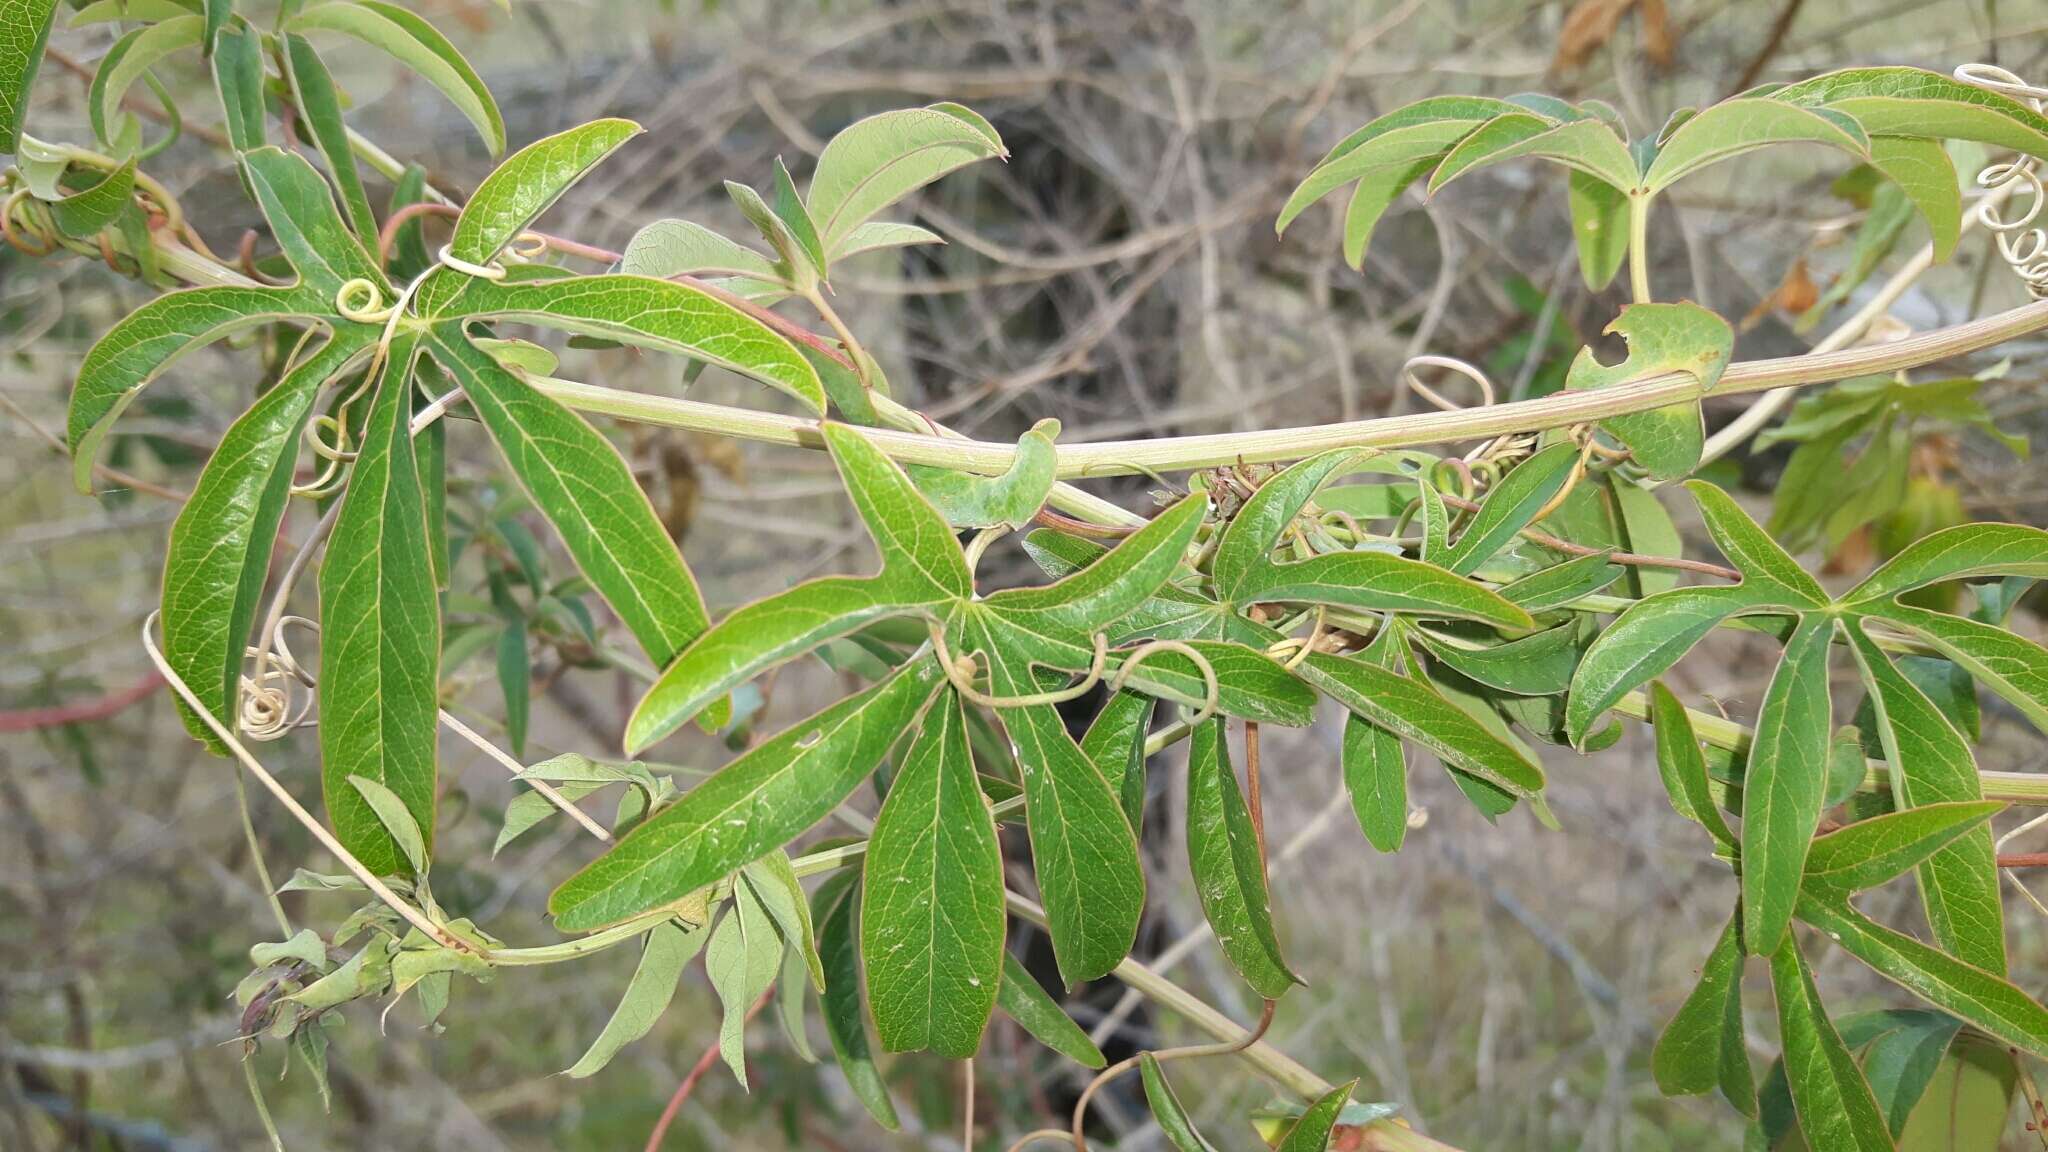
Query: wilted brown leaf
1794 294
1591 24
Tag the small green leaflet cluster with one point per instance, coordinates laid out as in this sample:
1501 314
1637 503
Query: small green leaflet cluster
1893 119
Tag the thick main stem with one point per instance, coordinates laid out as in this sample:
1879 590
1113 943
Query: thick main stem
1639 247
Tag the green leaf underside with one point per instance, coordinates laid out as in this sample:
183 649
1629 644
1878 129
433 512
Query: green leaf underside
583 486
742 959
1229 867
1009 500
1022 999
932 905
834 907
669 947
1784 783
1376 767
380 649
1702 1047
877 161
219 553
1661 338
1311 1133
755 804
1682 765
1166 1108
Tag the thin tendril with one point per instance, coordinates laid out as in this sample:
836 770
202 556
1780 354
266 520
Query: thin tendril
1150 648
960 673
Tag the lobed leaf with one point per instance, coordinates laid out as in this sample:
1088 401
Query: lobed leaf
218 556
932 897
1734 127
755 804
1561 584
1931 763
1835 1107
1414 712
1539 664
2009 664
583 486
1229 865
1249 684
1964 552
668 248
1406 137
1874 851
133 55
319 105
1115 744
1651 636
1915 102
1784 784
381 641
238 78
1683 767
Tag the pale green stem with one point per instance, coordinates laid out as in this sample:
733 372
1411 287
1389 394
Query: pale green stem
1639 246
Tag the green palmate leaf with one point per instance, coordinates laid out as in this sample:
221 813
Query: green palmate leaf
1922 170
877 161
1979 998
519 190
398 823
1784 784
1166 1108
1406 137
319 105
1599 213
1661 338
128 60
1931 763
1915 102
1083 850
922 569
238 77
1115 744
647 313
1023 1000
1488 143
1702 1048
1561 584
585 489
24 30
677 247
741 960
753 805
380 648
2010 665
833 906
932 900
1683 767
1871 852
669 947
1736 126
1009 500
1414 712
1311 1133
1965 552
1536 665
84 213
1228 861
1650 637
1835 1107
1247 542
1588 146
1079 605
419 46
219 552
1512 505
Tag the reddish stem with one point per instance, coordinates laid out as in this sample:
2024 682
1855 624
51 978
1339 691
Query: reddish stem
32 719
697 1071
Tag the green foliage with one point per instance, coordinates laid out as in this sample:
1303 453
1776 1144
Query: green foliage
1456 606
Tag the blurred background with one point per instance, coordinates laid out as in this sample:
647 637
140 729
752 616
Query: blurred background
1502 985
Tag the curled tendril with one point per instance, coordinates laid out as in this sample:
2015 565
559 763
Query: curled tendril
23 231
960 672
1211 698
524 247
362 301
2022 243
491 271
276 697
1296 648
